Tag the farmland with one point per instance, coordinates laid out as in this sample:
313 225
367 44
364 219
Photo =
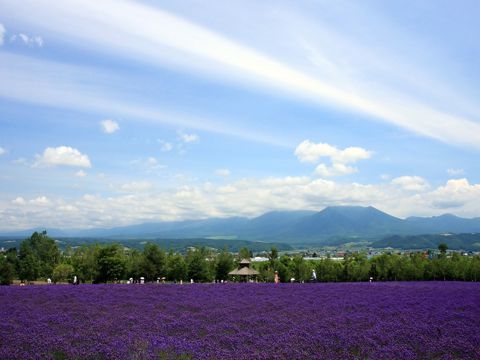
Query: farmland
395 320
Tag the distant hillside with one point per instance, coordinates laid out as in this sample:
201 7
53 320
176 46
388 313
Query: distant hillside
296 227
180 245
346 221
454 241
444 223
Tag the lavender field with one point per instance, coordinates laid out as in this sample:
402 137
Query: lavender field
424 320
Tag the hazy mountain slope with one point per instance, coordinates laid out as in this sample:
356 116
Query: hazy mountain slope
444 223
347 221
431 241
350 222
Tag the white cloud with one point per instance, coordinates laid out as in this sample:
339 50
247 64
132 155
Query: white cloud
27 40
335 170
41 200
455 172
19 201
229 189
109 126
149 164
151 161
2 151
351 155
136 186
308 151
189 138
62 155
456 194
411 183
165 146
2 33
89 197
80 173
245 197
67 208
222 172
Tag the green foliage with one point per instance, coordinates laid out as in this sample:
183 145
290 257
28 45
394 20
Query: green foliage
38 256
153 263
111 263
198 269
176 267
244 253
7 271
299 269
443 248
273 256
134 264
63 273
224 264
84 261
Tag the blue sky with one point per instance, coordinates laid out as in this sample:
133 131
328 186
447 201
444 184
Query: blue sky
120 112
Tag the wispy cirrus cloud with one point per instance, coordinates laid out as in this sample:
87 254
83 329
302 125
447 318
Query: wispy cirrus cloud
2 33
60 85
27 40
130 30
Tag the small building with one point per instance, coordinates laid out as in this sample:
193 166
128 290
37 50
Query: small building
243 272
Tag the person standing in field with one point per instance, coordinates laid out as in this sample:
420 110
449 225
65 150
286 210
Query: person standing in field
276 277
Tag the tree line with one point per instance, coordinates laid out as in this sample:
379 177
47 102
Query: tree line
39 258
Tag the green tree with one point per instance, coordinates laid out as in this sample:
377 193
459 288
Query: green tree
7 271
329 270
272 256
153 263
11 256
176 267
443 248
28 263
299 269
244 253
63 273
84 261
474 268
111 263
223 265
283 268
38 256
134 262
198 269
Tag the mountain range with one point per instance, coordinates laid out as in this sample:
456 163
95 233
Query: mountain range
344 222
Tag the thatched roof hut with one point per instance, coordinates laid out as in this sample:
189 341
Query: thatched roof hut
243 270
